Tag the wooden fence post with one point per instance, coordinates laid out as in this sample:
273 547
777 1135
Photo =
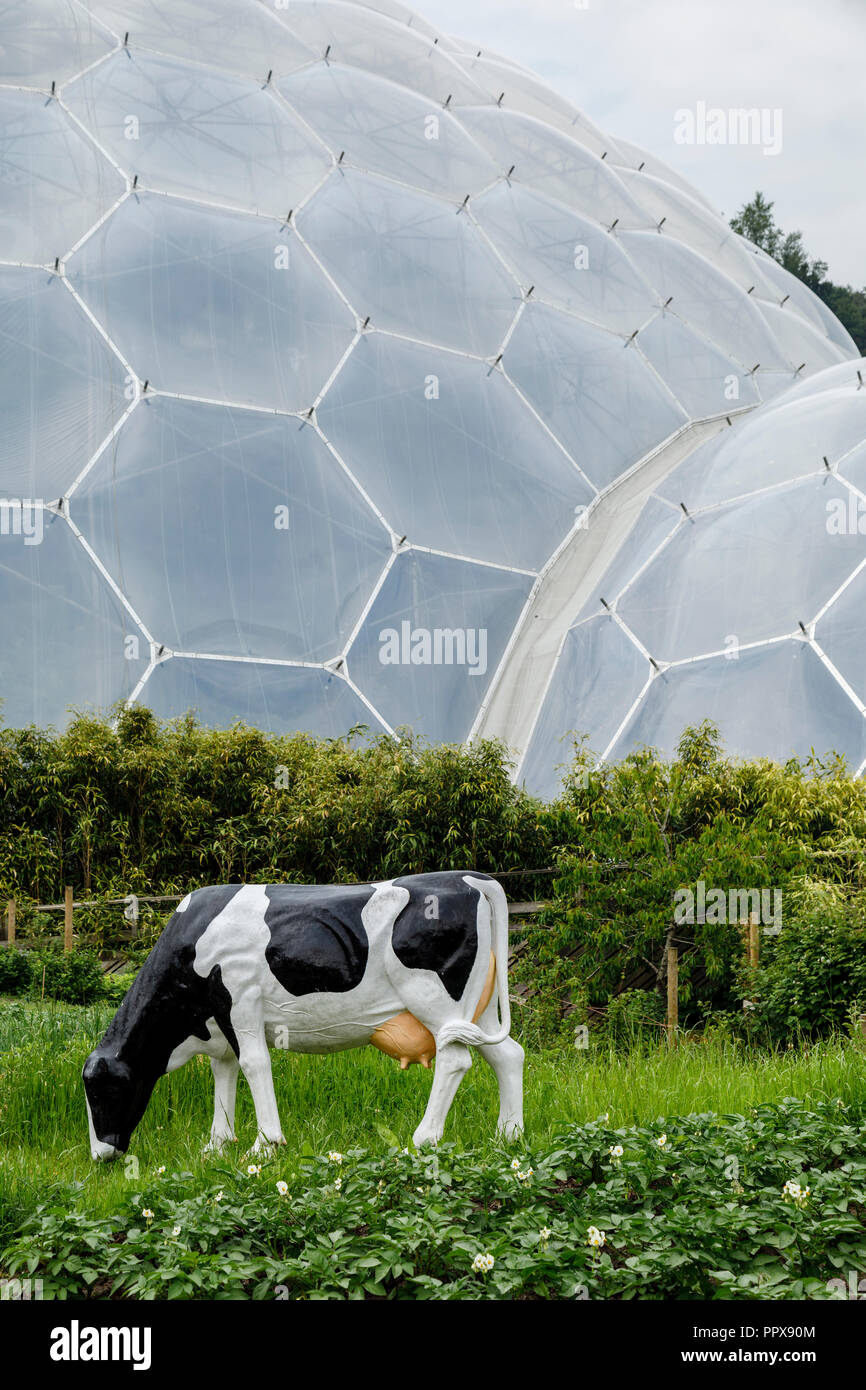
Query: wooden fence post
754 939
673 996
10 922
67 918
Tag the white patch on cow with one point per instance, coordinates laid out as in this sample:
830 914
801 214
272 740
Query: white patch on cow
183 904
236 940
98 1150
216 1045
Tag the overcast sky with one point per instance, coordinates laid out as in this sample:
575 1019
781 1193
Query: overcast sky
631 64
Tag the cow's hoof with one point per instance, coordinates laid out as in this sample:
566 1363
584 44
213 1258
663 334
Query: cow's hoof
216 1146
265 1147
425 1136
510 1132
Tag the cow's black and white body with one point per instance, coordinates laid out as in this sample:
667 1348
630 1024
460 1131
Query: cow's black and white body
242 968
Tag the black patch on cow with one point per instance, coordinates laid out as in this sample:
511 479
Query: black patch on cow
446 944
318 940
168 1002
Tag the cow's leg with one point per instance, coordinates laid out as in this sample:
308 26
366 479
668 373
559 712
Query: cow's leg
225 1083
506 1059
452 1063
255 1063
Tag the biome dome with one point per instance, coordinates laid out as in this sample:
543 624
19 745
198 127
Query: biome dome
738 597
338 360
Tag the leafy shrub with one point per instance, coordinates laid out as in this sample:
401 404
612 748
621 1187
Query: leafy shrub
15 971
631 835
766 1206
114 986
75 977
139 805
814 973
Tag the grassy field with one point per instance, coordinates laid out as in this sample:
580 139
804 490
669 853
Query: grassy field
356 1100
710 1170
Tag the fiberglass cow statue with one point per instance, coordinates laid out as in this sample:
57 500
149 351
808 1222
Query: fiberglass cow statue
416 966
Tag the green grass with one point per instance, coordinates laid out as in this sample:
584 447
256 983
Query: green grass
702 1216
346 1101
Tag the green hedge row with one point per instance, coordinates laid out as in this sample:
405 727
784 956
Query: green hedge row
75 977
132 804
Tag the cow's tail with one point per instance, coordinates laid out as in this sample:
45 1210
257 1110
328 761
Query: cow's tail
461 1030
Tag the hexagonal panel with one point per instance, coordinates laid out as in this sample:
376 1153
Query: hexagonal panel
788 439
706 299
682 217
704 380
54 184
751 570
238 35
517 90
592 389
65 639
775 702
232 532
812 309
569 260
806 347
388 48
384 129
214 304
61 386
554 165
408 261
46 41
189 130
638 160
277 699
431 642
598 676
482 477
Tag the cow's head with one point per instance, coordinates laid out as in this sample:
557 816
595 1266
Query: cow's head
116 1101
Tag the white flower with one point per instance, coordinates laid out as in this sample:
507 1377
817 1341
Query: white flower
253 1169
662 1140
334 1157
161 1168
515 1164
524 1177
616 1150
338 1183
606 1116
482 1264
595 1237
147 1214
175 1230
544 1234
219 1196
282 1188
792 1191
